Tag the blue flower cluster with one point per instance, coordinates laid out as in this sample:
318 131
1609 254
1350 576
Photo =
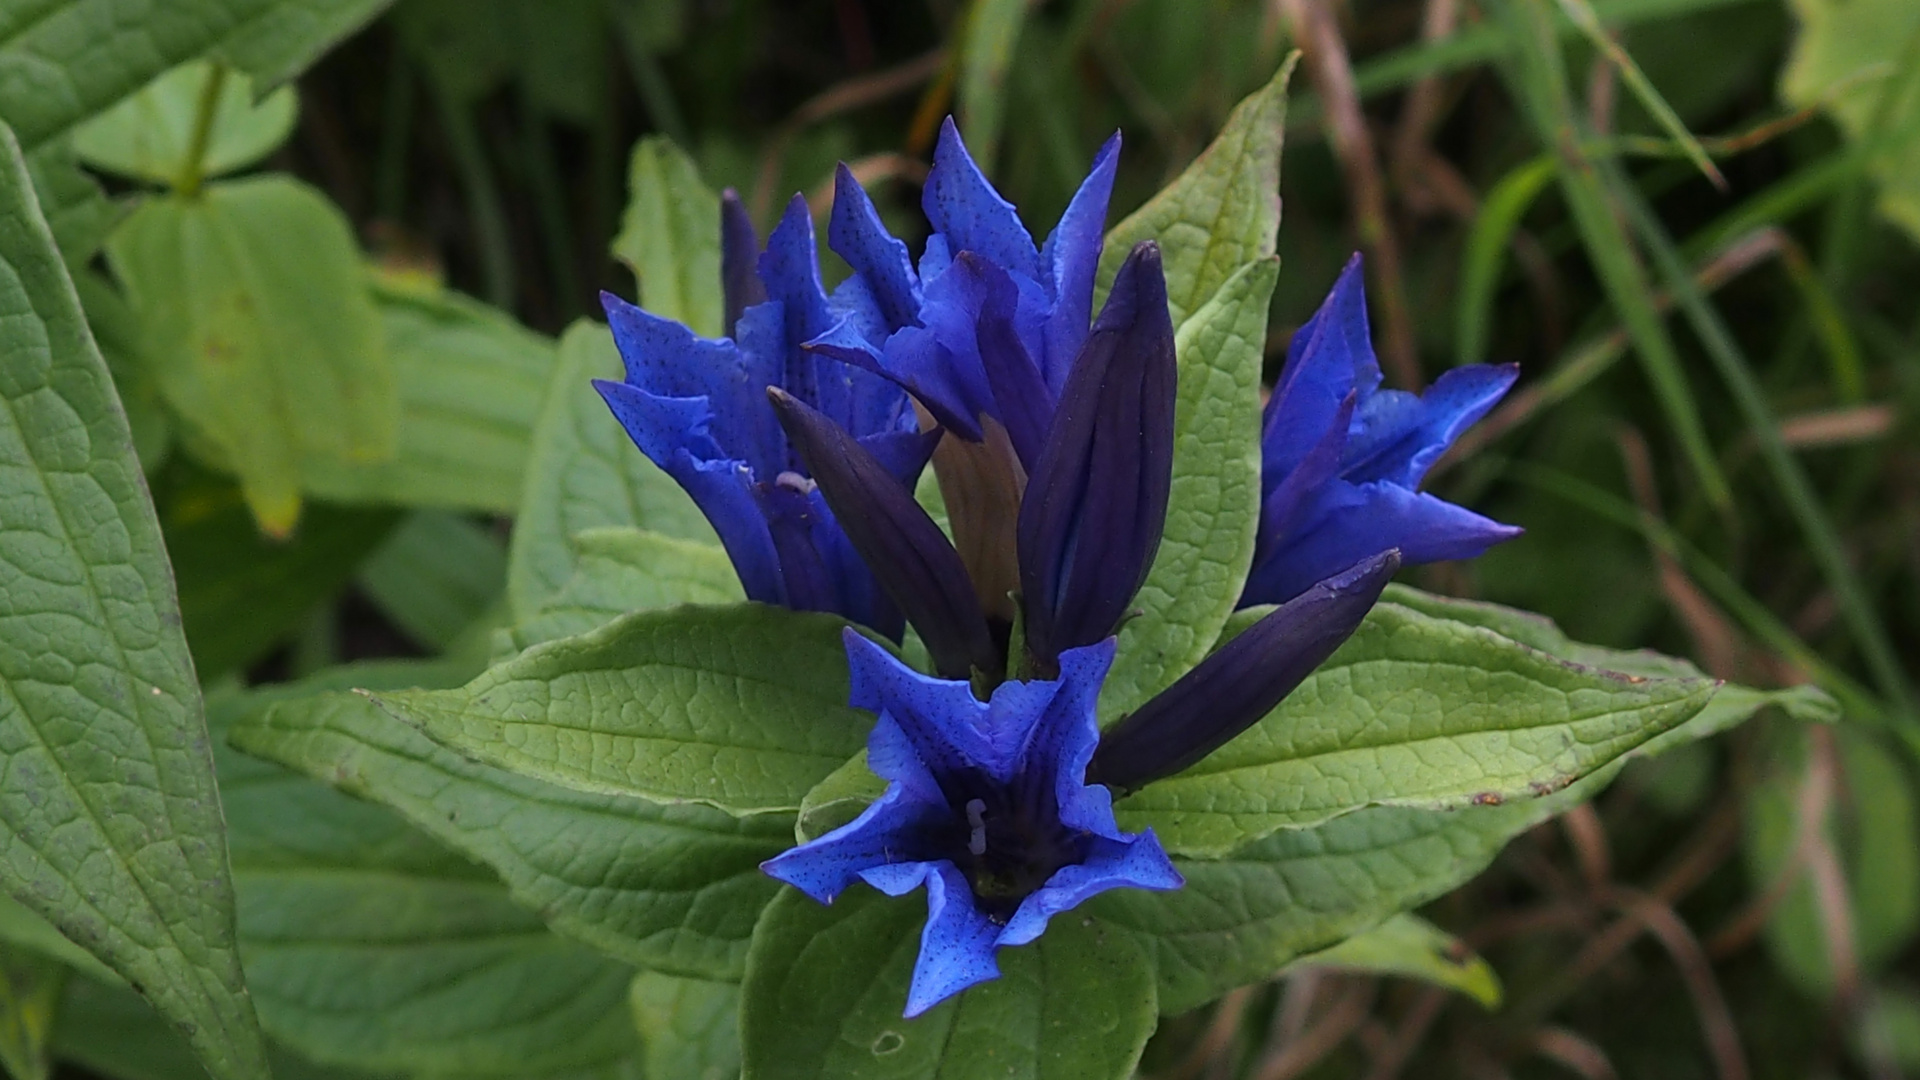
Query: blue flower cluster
1051 431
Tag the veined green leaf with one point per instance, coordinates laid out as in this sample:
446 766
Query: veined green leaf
67 61
469 380
149 136
826 987
585 473
143 1046
838 799
1412 711
1214 508
110 826
371 946
261 332
77 211
1410 946
1221 214
671 888
670 236
624 569
743 707
689 1028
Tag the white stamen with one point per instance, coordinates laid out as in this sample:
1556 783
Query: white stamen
793 481
977 818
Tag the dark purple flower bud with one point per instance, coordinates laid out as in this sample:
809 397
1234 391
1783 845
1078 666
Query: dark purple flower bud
1096 502
740 282
1241 682
907 553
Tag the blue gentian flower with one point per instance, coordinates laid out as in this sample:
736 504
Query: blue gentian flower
987 806
1342 459
980 277
698 408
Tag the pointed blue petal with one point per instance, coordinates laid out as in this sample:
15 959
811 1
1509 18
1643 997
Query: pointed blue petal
1327 360
1354 521
739 277
856 234
1070 256
942 720
1136 862
790 268
666 359
1398 436
665 429
890 829
1241 681
939 363
1022 401
1287 498
963 206
1066 735
956 948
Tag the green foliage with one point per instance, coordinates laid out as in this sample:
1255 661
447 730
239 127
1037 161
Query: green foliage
121 850
742 707
151 135
624 569
261 332
824 987
1410 946
670 237
1857 61
687 1026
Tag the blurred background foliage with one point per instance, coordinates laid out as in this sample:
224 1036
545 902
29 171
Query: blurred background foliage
1695 224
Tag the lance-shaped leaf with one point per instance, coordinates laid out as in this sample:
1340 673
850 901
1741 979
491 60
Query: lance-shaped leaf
740 284
110 826
908 554
1236 686
1091 519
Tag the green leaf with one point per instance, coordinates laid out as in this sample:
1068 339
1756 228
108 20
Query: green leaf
1412 711
838 799
743 707
110 826
371 946
116 329
585 473
469 380
670 236
21 928
77 211
261 332
689 1028
1241 918
826 987
1731 705
68 61
1855 59
435 575
241 594
673 888
30 988
149 136
1410 946
1221 214
379 969
143 1046
624 569
1214 508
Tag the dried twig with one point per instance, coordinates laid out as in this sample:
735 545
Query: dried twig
841 97
1318 34
1341 1019
1391 1057
1575 1052
1715 641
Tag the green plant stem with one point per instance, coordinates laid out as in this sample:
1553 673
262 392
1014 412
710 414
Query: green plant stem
192 170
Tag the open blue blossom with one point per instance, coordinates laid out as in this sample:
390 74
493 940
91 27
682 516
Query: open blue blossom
987 806
698 408
1342 459
988 325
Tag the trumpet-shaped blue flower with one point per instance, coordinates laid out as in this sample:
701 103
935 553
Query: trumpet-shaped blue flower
987 806
1342 459
698 408
989 324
